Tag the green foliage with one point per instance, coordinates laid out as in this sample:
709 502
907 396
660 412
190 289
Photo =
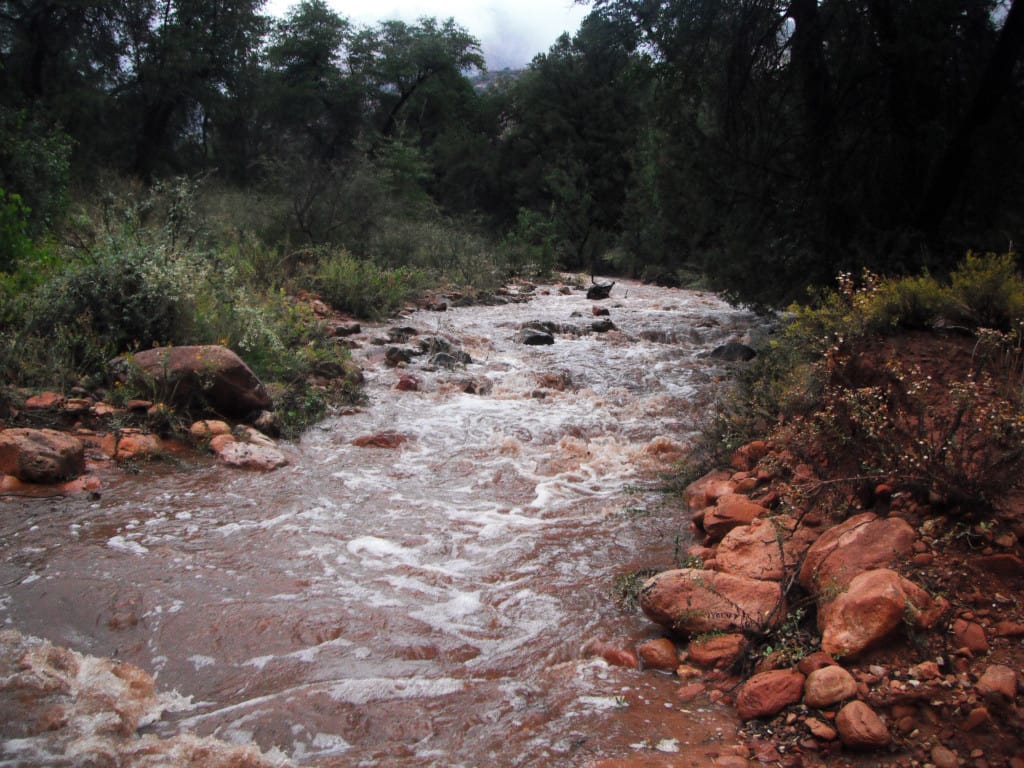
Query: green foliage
15 244
362 288
34 167
626 587
990 290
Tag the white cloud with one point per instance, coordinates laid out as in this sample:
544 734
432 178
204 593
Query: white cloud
511 32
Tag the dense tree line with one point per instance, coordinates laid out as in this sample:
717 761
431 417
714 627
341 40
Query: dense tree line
761 144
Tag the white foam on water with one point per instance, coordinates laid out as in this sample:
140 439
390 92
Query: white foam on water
122 544
363 691
199 662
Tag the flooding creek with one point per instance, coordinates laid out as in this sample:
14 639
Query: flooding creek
419 605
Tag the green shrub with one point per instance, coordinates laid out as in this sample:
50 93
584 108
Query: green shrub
989 290
362 288
908 302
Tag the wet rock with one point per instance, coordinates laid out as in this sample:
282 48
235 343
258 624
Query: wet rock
408 383
717 651
534 338
133 445
396 356
602 326
970 635
694 601
196 375
874 604
40 455
733 352
251 456
862 543
206 430
705 491
388 440
600 291
450 359
690 691
660 654
730 512
861 728
998 683
268 423
768 549
401 334
1009 629
827 686
615 655
247 434
768 693
597 311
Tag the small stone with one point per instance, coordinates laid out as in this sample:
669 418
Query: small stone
943 757
828 685
998 682
821 730
690 691
970 635
203 431
660 654
978 717
860 728
768 693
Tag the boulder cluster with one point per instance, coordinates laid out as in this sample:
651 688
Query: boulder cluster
94 432
832 630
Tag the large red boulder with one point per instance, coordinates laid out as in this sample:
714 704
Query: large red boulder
694 601
862 543
210 375
874 605
40 455
769 548
768 693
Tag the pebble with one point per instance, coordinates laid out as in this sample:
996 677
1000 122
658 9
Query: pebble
944 758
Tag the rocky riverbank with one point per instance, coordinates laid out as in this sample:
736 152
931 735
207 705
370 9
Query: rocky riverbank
849 619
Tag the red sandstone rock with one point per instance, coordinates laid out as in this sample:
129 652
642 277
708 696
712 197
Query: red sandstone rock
612 654
212 374
816 660
408 383
717 651
217 442
821 730
1005 566
999 682
769 693
206 430
706 490
40 455
690 691
695 601
1009 629
977 717
45 401
730 512
862 543
970 635
874 604
766 549
135 446
659 654
827 686
251 456
860 728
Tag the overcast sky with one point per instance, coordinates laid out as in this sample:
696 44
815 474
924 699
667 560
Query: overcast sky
511 32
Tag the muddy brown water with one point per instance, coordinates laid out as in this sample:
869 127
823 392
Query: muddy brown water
419 606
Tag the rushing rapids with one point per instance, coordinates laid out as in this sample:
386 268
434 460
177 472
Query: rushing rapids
418 597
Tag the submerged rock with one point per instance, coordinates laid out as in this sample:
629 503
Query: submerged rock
733 352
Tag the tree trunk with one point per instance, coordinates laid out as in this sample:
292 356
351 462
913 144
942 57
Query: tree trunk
998 79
